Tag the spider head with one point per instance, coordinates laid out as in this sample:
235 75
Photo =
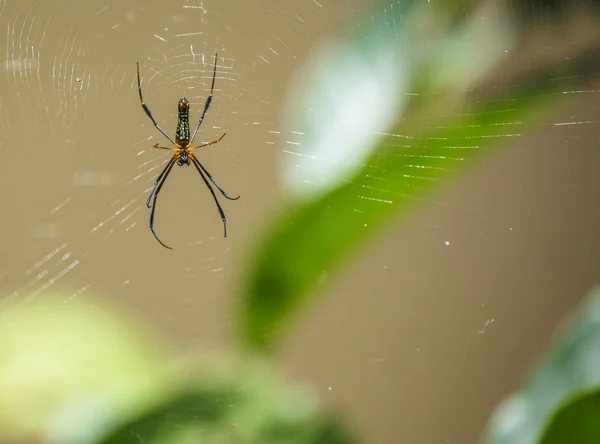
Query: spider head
183 105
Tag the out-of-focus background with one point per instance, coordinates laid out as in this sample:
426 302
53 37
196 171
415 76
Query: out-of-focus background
434 323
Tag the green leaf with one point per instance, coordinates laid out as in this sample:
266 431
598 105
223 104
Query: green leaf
249 404
400 78
576 421
571 367
313 239
178 416
313 431
67 369
394 62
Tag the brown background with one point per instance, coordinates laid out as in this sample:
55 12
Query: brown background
417 341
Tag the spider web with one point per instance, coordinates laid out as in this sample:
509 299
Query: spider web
71 103
78 165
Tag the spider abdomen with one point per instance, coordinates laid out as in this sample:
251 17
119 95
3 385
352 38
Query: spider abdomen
183 156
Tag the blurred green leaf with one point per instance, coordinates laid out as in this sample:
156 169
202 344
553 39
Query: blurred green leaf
313 431
570 368
172 421
400 80
394 62
248 405
82 372
577 421
313 238
68 369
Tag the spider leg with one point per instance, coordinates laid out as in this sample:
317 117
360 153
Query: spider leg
223 218
166 174
147 110
208 101
160 176
163 147
198 164
209 143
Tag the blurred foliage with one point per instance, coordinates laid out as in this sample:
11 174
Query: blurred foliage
542 10
206 416
438 125
577 421
81 373
290 265
252 407
65 368
570 368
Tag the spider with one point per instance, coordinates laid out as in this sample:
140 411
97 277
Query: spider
182 148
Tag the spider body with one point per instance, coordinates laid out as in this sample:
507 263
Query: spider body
182 152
